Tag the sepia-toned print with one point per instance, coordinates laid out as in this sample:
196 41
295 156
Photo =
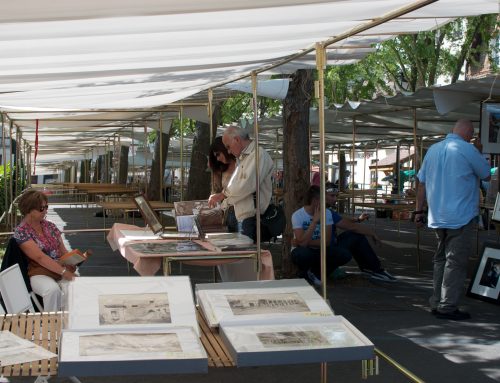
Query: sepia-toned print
134 309
129 343
251 304
167 247
292 338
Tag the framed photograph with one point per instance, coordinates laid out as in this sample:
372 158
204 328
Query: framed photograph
495 216
269 301
485 283
148 213
291 341
131 351
490 127
130 302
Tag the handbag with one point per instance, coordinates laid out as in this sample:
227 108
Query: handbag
272 222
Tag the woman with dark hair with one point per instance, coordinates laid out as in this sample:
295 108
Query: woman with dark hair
40 240
222 164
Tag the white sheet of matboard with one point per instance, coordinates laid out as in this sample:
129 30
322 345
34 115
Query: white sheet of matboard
255 300
130 302
259 343
131 351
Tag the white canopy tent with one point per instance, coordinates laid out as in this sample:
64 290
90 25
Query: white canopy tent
90 70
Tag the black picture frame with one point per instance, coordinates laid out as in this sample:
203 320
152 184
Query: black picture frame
148 214
490 127
485 283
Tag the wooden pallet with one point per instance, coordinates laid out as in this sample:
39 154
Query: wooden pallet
44 330
218 356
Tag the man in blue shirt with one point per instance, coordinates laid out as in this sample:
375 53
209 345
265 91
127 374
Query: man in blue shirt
449 181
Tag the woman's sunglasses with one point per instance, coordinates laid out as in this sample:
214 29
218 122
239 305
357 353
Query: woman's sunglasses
43 208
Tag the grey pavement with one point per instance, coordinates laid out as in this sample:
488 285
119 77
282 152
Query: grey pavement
394 316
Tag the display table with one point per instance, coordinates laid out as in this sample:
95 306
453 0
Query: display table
149 264
45 329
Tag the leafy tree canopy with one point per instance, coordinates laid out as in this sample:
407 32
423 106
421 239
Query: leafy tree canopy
409 62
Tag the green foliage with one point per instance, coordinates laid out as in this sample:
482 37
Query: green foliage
355 81
4 179
409 62
240 106
188 128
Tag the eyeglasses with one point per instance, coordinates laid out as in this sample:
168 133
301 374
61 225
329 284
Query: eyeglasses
43 208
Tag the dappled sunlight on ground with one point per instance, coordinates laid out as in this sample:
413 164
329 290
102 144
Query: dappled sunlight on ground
454 342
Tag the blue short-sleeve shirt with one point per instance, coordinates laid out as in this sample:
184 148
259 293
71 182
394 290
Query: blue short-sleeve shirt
451 171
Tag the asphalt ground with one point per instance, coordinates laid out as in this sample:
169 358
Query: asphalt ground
394 316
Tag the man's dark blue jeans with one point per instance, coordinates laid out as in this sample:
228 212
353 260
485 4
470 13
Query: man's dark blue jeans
348 245
359 248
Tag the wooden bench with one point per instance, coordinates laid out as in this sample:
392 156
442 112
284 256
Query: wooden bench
45 329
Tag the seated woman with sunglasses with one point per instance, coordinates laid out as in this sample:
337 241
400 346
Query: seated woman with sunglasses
40 240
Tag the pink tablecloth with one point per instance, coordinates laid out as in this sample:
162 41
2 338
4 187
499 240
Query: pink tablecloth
149 264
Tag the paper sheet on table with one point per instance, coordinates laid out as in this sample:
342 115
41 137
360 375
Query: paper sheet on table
16 350
185 223
139 234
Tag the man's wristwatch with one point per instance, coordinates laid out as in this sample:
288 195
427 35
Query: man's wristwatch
63 271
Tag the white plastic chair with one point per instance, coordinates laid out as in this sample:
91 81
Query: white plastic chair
15 295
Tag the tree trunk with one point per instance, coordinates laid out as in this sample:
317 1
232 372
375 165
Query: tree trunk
296 157
85 171
155 181
97 169
123 169
199 181
478 60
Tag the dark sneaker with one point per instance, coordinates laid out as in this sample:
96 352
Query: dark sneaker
454 315
313 279
338 273
383 276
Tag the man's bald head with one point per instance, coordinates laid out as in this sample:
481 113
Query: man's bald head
464 129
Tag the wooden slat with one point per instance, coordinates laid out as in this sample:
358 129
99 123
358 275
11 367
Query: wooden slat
54 330
220 354
6 326
45 329
213 359
44 364
26 370
21 332
14 328
37 339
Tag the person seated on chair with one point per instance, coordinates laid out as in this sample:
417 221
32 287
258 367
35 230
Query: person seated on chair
353 242
40 240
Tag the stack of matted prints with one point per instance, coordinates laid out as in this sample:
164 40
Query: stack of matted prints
279 322
130 325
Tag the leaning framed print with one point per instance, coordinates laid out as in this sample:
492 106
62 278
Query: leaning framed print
485 281
148 214
490 127
495 216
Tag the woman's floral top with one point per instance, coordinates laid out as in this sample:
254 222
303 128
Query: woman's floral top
48 243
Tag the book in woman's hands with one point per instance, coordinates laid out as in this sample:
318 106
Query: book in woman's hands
75 257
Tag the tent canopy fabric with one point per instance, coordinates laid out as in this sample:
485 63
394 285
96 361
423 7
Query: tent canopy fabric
126 60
